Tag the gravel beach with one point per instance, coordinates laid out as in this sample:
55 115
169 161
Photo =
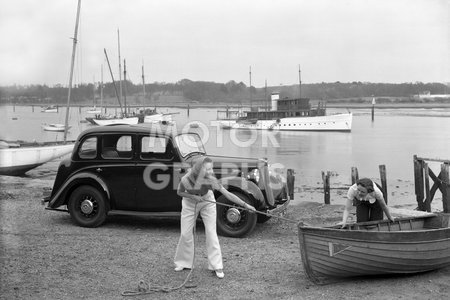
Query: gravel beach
45 256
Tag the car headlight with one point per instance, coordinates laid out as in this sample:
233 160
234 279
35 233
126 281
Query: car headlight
254 176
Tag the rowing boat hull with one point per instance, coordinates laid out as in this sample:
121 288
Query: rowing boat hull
17 161
412 245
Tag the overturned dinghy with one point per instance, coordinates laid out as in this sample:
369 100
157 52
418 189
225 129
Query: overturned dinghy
408 245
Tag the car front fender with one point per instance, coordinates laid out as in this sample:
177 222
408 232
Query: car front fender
80 178
245 186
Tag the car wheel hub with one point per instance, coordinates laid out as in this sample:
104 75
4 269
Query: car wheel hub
87 207
233 215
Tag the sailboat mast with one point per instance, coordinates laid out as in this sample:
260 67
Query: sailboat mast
74 48
93 93
143 83
114 83
300 81
125 88
101 88
265 95
250 75
120 70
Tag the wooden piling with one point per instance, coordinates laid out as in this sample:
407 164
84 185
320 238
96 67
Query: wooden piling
373 109
290 182
383 182
427 201
418 183
326 186
445 187
188 110
32 108
355 176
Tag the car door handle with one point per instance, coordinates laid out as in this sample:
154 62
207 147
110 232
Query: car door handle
99 170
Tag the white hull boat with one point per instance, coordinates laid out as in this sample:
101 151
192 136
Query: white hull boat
50 109
94 111
157 118
129 121
55 127
337 122
18 158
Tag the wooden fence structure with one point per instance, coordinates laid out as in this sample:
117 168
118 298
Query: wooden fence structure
422 175
354 175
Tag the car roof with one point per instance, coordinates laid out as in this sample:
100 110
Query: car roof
167 130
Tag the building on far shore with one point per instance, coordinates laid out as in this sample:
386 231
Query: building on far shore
428 95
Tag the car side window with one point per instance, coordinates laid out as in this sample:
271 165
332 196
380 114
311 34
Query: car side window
117 146
155 147
88 148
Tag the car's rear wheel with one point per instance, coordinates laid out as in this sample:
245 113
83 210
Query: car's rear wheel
234 221
87 206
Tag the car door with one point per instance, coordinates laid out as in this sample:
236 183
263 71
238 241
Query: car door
118 170
159 174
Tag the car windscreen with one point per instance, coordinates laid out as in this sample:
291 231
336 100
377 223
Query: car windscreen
189 143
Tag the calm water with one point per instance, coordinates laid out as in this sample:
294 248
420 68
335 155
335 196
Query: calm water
392 139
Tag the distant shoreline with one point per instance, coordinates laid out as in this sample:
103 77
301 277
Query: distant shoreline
332 104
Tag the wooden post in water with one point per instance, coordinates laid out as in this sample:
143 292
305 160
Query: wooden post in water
326 186
32 108
355 178
373 109
418 183
290 182
383 182
355 175
14 107
427 202
446 187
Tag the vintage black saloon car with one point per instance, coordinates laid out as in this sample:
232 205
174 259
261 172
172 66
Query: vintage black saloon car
135 170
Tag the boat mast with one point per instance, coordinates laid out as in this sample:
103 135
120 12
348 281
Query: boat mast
74 47
265 95
93 92
120 71
125 87
114 83
250 75
143 83
299 81
101 89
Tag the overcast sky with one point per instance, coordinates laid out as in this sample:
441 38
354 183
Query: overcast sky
218 40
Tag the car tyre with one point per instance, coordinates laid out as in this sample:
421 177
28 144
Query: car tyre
87 206
234 221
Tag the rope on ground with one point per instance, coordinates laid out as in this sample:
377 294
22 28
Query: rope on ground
144 288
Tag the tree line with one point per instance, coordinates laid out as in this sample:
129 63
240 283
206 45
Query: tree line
211 92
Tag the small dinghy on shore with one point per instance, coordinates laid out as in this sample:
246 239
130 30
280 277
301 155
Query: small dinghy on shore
408 245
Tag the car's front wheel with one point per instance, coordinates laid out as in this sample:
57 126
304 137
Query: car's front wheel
234 221
87 206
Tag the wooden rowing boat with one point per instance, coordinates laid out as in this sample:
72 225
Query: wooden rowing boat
408 245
